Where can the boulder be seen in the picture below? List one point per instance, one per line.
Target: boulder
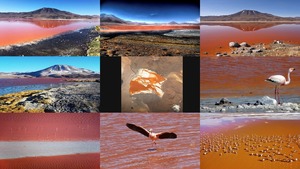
(266, 100)
(244, 44)
(234, 44)
(223, 101)
(256, 50)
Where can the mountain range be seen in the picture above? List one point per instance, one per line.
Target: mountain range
(45, 13)
(248, 15)
(62, 71)
(112, 19)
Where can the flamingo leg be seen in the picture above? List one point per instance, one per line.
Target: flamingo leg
(278, 96)
(276, 93)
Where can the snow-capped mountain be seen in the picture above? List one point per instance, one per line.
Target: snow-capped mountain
(111, 19)
(62, 71)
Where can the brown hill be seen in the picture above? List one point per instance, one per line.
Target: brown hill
(45, 13)
(248, 15)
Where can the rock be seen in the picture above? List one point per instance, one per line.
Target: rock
(244, 44)
(258, 102)
(292, 106)
(219, 55)
(277, 42)
(234, 44)
(110, 52)
(176, 108)
(205, 53)
(267, 100)
(239, 107)
(257, 51)
(223, 101)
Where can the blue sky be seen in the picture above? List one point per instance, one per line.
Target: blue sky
(28, 64)
(84, 7)
(154, 11)
(276, 7)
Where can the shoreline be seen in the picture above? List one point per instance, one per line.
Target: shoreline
(258, 104)
(277, 48)
(23, 149)
(41, 47)
(70, 98)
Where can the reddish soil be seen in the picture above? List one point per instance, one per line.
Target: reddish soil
(33, 30)
(126, 28)
(55, 127)
(77, 161)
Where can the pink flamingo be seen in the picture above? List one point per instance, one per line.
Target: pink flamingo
(279, 80)
(150, 134)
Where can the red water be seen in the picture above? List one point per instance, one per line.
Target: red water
(76, 161)
(245, 76)
(215, 38)
(245, 133)
(14, 32)
(53, 127)
(124, 148)
(29, 81)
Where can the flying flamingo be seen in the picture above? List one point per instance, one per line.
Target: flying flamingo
(150, 134)
(279, 80)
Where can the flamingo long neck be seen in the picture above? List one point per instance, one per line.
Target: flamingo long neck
(288, 80)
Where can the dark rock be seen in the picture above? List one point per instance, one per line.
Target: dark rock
(244, 44)
(257, 51)
(258, 103)
(234, 44)
(223, 101)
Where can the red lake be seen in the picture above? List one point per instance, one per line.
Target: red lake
(215, 37)
(19, 32)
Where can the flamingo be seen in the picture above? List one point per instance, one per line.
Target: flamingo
(279, 80)
(150, 134)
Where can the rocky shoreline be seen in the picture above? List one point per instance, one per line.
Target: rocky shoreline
(261, 105)
(276, 48)
(153, 43)
(74, 43)
(78, 97)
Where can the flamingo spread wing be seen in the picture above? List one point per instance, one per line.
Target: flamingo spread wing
(139, 129)
(167, 135)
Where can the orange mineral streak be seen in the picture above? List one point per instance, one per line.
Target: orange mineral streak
(127, 28)
(146, 83)
(19, 32)
(216, 37)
